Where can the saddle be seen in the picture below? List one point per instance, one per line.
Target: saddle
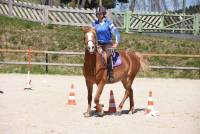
(116, 59)
(113, 61)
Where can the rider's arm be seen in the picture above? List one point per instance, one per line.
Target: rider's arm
(114, 32)
(93, 24)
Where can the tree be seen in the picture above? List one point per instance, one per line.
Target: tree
(164, 5)
(100, 3)
(95, 3)
(158, 5)
(123, 1)
(132, 5)
(72, 4)
(175, 4)
(47, 2)
(143, 2)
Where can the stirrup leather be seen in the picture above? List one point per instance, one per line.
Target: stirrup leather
(110, 71)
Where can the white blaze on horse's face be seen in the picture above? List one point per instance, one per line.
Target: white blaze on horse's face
(90, 43)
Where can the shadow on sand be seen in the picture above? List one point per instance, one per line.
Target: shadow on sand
(107, 113)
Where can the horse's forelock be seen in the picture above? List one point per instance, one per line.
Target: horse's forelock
(89, 29)
(93, 31)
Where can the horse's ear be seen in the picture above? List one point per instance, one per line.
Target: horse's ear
(86, 28)
(92, 28)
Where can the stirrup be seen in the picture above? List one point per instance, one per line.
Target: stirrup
(110, 77)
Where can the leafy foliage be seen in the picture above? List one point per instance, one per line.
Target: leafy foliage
(123, 1)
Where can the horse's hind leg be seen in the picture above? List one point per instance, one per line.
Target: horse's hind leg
(132, 109)
(127, 85)
(119, 109)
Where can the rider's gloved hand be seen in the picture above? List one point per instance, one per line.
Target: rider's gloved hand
(115, 45)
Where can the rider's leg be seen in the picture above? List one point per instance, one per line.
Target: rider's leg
(109, 63)
(101, 50)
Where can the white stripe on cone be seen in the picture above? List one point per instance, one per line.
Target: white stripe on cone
(112, 105)
(153, 113)
(150, 111)
(72, 97)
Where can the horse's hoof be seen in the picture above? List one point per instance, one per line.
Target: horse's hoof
(100, 114)
(132, 111)
(101, 105)
(87, 114)
(119, 112)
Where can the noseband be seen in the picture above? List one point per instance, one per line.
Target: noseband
(94, 42)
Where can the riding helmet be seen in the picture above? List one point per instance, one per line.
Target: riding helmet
(101, 9)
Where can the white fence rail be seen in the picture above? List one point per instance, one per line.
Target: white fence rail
(46, 14)
(81, 65)
(47, 53)
(148, 22)
(22, 10)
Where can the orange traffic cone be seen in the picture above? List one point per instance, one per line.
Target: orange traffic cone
(150, 106)
(71, 100)
(112, 106)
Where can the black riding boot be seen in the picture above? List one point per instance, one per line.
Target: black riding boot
(110, 71)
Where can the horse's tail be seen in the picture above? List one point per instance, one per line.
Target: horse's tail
(143, 62)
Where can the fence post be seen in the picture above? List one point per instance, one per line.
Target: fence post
(162, 22)
(196, 25)
(47, 60)
(127, 20)
(10, 5)
(45, 15)
(140, 24)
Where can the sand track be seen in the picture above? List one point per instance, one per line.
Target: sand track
(43, 110)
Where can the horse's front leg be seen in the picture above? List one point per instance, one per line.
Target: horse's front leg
(89, 85)
(99, 108)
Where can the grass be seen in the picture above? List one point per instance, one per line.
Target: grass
(20, 34)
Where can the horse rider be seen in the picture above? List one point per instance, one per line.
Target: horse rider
(105, 30)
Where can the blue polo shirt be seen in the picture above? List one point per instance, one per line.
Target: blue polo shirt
(104, 31)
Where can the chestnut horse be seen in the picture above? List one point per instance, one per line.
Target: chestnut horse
(95, 72)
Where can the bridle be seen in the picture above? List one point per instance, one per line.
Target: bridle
(94, 42)
(91, 44)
